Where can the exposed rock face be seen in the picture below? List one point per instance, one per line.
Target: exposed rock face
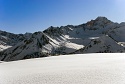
(96, 36)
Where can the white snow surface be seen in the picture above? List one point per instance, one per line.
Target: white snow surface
(68, 69)
(2, 47)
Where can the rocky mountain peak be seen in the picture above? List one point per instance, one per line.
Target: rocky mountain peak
(99, 35)
(99, 22)
(101, 18)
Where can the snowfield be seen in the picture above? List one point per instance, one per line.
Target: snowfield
(68, 69)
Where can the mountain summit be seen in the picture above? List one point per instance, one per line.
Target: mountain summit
(96, 36)
(100, 18)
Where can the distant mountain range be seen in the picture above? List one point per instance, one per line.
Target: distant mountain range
(96, 36)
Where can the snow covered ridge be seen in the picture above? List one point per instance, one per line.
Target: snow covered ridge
(102, 68)
(96, 36)
(9, 39)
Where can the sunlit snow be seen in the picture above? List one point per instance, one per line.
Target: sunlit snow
(68, 69)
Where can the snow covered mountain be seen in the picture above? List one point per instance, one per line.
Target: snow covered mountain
(9, 39)
(99, 35)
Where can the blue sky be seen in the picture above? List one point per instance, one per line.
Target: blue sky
(20, 16)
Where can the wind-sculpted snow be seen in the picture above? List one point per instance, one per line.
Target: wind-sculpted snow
(68, 69)
(96, 36)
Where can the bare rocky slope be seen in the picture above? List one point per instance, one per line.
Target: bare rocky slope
(96, 36)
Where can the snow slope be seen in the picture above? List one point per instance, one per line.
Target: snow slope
(103, 44)
(68, 69)
(3, 47)
(8, 40)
